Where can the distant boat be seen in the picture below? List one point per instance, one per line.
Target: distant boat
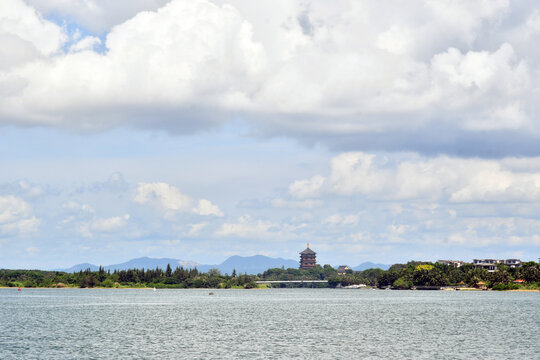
(154, 289)
(359, 286)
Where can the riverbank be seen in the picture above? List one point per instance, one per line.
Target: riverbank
(260, 287)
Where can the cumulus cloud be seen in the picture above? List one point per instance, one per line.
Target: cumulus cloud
(195, 229)
(306, 188)
(73, 206)
(26, 27)
(96, 15)
(16, 216)
(433, 179)
(247, 227)
(94, 226)
(171, 201)
(85, 221)
(163, 195)
(448, 76)
(114, 183)
(338, 219)
(205, 207)
(86, 43)
(24, 189)
(109, 224)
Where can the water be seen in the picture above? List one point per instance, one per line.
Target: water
(267, 324)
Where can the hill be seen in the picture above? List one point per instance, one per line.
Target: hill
(249, 264)
(369, 265)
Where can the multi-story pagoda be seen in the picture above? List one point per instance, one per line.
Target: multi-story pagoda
(308, 259)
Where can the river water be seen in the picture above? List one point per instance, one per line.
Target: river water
(268, 324)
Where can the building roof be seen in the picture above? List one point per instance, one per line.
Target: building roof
(308, 251)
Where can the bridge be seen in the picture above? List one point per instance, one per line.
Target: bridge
(290, 281)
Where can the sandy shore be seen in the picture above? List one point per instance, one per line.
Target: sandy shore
(527, 290)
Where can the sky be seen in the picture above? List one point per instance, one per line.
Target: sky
(381, 131)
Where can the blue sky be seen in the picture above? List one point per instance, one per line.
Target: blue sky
(204, 129)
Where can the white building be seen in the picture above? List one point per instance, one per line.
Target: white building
(491, 264)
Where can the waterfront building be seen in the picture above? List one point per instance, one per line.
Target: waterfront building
(308, 259)
(342, 269)
(488, 264)
(454, 263)
(513, 263)
(491, 264)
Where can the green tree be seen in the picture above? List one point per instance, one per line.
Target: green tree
(214, 272)
(402, 284)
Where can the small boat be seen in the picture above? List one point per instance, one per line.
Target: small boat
(154, 289)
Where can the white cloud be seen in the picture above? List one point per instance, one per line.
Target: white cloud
(24, 189)
(89, 228)
(97, 15)
(115, 183)
(205, 207)
(88, 43)
(441, 178)
(295, 69)
(246, 227)
(165, 196)
(74, 206)
(338, 219)
(195, 229)
(24, 24)
(16, 216)
(307, 188)
(31, 190)
(171, 201)
(109, 224)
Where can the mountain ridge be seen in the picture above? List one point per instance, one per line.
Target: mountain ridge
(369, 265)
(242, 264)
(254, 264)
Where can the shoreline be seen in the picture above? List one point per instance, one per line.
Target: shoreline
(261, 288)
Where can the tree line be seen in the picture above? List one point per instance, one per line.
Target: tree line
(140, 278)
(398, 276)
(414, 273)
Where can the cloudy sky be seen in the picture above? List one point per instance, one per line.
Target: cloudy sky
(197, 129)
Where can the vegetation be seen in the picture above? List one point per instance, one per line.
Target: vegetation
(139, 278)
(407, 276)
(399, 276)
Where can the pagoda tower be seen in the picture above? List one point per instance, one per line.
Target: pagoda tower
(308, 259)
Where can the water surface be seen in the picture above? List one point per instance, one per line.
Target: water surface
(267, 324)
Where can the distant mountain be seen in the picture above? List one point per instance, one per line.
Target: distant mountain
(150, 263)
(369, 265)
(139, 263)
(250, 264)
(79, 267)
